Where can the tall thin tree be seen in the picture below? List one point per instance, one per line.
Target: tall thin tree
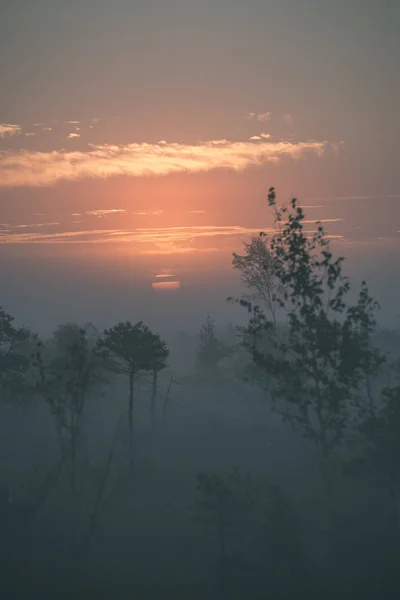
(133, 351)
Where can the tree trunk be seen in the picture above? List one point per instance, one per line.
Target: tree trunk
(130, 417)
(153, 413)
(73, 468)
(73, 453)
(165, 404)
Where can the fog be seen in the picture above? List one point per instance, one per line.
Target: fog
(169, 445)
(44, 290)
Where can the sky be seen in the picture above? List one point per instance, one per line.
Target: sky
(138, 140)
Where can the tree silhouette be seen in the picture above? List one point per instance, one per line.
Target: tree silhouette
(136, 350)
(66, 380)
(158, 353)
(379, 425)
(14, 361)
(210, 350)
(318, 362)
(223, 503)
(257, 273)
(167, 400)
(66, 336)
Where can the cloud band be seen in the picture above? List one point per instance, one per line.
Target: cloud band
(34, 168)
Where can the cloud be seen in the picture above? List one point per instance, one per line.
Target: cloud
(90, 236)
(33, 225)
(150, 241)
(325, 220)
(349, 198)
(262, 136)
(102, 212)
(73, 122)
(289, 118)
(259, 117)
(9, 129)
(174, 251)
(30, 134)
(149, 212)
(311, 206)
(264, 116)
(73, 135)
(34, 168)
(163, 238)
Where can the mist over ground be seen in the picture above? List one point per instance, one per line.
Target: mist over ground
(164, 442)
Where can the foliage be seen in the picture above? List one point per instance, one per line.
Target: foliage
(167, 399)
(134, 349)
(14, 357)
(159, 355)
(319, 360)
(257, 272)
(210, 350)
(225, 503)
(66, 381)
(379, 426)
(158, 352)
(132, 346)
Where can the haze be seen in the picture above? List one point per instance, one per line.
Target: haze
(138, 141)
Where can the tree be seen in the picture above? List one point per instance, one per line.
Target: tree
(379, 426)
(158, 353)
(224, 503)
(318, 362)
(257, 273)
(65, 337)
(136, 350)
(167, 399)
(68, 335)
(210, 350)
(66, 380)
(14, 361)
(16, 519)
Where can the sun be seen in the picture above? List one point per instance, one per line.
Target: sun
(166, 287)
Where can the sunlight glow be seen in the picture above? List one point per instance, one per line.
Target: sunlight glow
(166, 286)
